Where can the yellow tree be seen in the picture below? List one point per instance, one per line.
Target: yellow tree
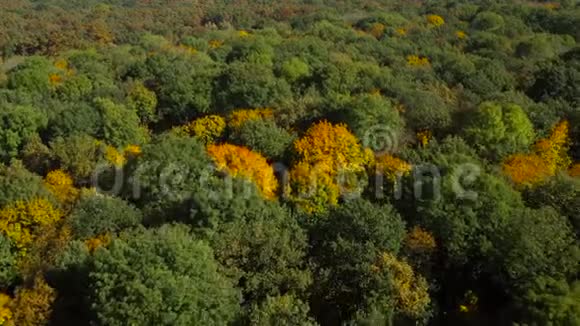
(207, 129)
(21, 221)
(391, 167)
(60, 184)
(32, 304)
(330, 159)
(411, 290)
(239, 161)
(435, 20)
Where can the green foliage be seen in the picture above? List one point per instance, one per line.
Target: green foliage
(263, 136)
(550, 301)
(283, 310)
(497, 130)
(18, 124)
(163, 277)
(144, 102)
(121, 126)
(537, 243)
(17, 183)
(294, 69)
(32, 75)
(488, 21)
(96, 214)
(183, 85)
(259, 243)
(77, 154)
(250, 85)
(345, 244)
(163, 178)
(8, 267)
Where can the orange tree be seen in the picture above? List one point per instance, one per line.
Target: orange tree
(327, 157)
(239, 161)
(550, 155)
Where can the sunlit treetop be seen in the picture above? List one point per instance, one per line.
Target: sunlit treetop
(239, 161)
(332, 144)
(435, 20)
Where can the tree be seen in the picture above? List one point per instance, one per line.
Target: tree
(121, 126)
(264, 137)
(144, 102)
(536, 243)
(257, 241)
(60, 184)
(562, 193)
(8, 267)
(374, 120)
(497, 130)
(168, 172)
(33, 303)
(162, 276)
(21, 221)
(250, 85)
(184, 85)
(325, 153)
(239, 161)
(17, 125)
(96, 214)
(550, 301)
(77, 154)
(17, 183)
(207, 129)
(345, 245)
(282, 310)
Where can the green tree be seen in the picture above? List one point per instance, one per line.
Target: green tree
(372, 117)
(8, 267)
(497, 130)
(562, 193)
(121, 126)
(550, 301)
(184, 86)
(536, 243)
(162, 276)
(263, 136)
(144, 102)
(77, 154)
(17, 183)
(250, 85)
(282, 310)
(17, 125)
(256, 240)
(345, 245)
(164, 177)
(96, 214)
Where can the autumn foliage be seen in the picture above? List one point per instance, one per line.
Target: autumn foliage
(207, 129)
(21, 220)
(391, 167)
(411, 290)
(238, 117)
(60, 184)
(329, 158)
(33, 305)
(239, 161)
(550, 155)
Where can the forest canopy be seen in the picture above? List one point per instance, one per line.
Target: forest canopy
(189, 162)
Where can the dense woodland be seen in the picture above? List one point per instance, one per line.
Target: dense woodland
(236, 162)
